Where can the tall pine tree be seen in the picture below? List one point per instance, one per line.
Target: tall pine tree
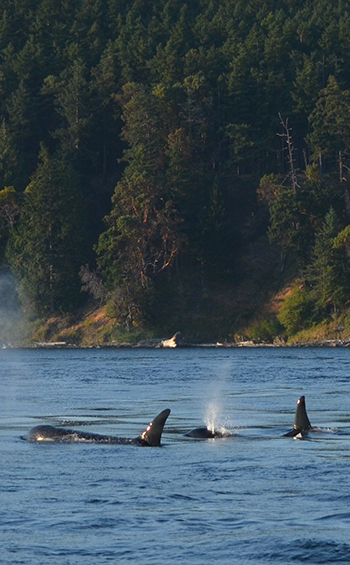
(45, 249)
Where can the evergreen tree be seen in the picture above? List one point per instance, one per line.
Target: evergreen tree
(328, 274)
(288, 226)
(19, 133)
(330, 124)
(9, 213)
(201, 122)
(45, 249)
(143, 236)
(71, 101)
(106, 115)
(11, 162)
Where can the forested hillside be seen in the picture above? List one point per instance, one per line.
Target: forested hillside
(147, 148)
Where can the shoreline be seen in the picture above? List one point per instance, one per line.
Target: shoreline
(157, 344)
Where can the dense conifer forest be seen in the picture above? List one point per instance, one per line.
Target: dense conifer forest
(146, 146)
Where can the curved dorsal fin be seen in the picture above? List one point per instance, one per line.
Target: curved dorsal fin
(301, 421)
(153, 433)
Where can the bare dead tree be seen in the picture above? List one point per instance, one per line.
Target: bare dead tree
(290, 152)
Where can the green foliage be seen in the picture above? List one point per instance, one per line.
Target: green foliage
(265, 331)
(9, 208)
(297, 311)
(142, 236)
(329, 120)
(325, 285)
(287, 223)
(11, 163)
(169, 110)
(342, 239)
(328, 273)
(45, 248)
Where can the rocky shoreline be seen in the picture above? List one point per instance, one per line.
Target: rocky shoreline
(172, 344)
(178, 341)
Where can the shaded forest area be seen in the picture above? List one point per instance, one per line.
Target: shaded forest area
(147, 149)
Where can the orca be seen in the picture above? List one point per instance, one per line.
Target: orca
(206, 433)
(301, 421)
(150, 437)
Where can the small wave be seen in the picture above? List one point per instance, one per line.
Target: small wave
(97, 501)
(340, 516)
(177, 496)
(310, 551)
(325, 430)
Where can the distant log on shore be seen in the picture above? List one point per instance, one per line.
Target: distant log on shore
(175, 341)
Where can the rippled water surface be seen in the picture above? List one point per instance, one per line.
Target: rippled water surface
(254, 497)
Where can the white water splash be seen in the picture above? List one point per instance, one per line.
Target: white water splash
(212, 419)
(211, 416)
(214, 412)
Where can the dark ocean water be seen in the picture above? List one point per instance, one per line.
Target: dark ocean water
(255, 497)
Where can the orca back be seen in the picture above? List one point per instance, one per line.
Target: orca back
(206, 433)
(201, 433)
(151, 436)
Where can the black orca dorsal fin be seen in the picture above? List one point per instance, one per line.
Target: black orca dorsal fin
(301, 421)
(153, 433)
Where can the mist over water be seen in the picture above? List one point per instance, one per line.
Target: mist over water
(12, 328)
(215, 417)
(254, 497)
(212, 414)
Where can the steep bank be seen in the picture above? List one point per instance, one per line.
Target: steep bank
(98, 330)
(242, 310)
